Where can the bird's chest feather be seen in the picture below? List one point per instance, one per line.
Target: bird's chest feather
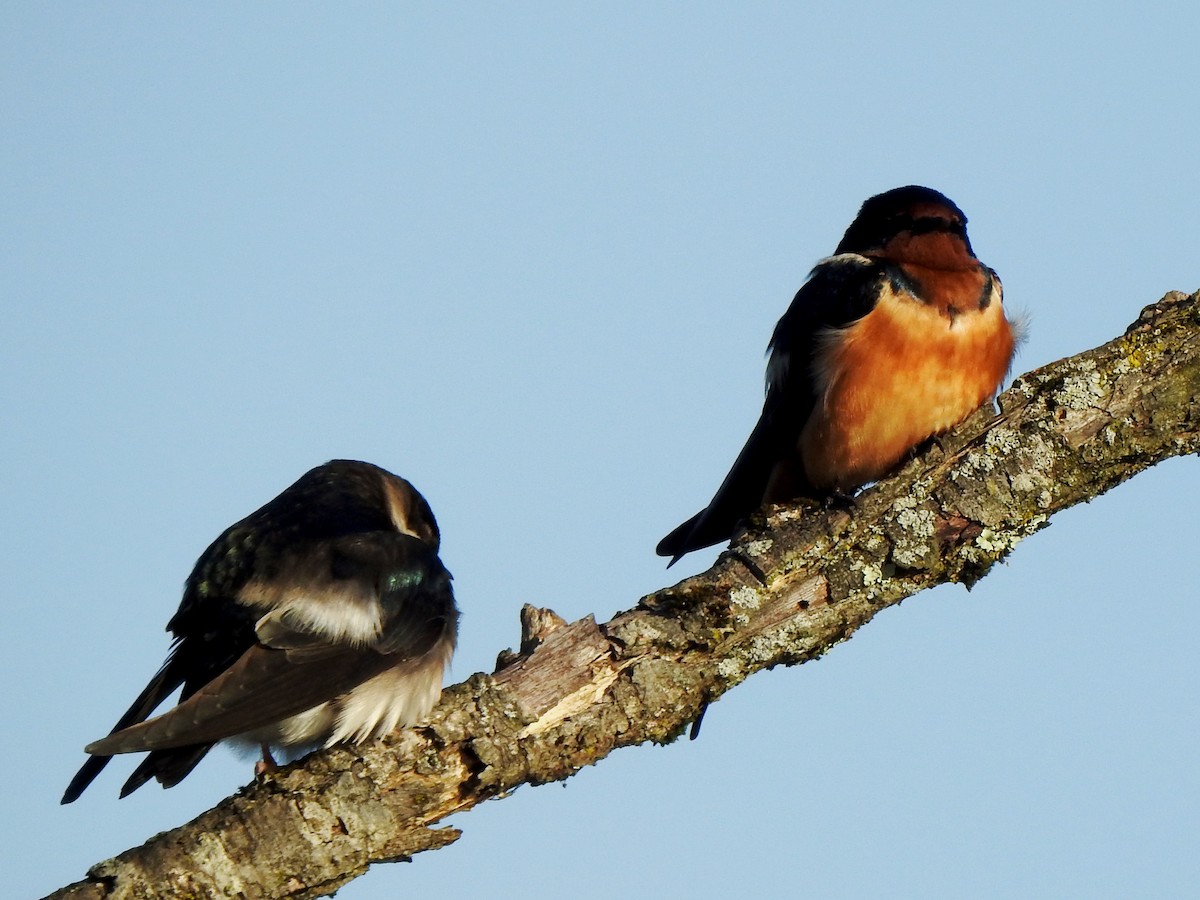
(904, 372)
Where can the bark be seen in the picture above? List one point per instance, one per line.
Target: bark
(798, 581)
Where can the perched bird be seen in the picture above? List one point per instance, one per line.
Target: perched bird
(898, 336)
(325, 616)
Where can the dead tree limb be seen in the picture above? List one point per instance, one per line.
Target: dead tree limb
(797, 582)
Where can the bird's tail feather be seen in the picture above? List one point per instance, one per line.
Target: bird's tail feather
(161, 686)
(739, 495)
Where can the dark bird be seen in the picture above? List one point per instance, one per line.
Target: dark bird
(900, 335)
(325, 616)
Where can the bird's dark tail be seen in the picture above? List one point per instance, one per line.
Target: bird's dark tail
(739, 495)
(160, 687)
(169, 766)
(85, 776)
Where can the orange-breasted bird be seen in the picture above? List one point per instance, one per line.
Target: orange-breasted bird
(324, 616)
(900, 335)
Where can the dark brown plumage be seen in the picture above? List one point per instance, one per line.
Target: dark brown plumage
(324, 616)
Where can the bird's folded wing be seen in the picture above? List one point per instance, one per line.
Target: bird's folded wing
(264, 686)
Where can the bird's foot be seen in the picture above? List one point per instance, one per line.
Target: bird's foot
(839, 500)
(266, 765)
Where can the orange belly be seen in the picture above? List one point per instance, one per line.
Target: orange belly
(899, 375)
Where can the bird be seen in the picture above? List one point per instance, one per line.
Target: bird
(324, 616)
(898, 336)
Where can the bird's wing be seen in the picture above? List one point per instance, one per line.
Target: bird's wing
(840, 290)
(263, 686)
(307, 654)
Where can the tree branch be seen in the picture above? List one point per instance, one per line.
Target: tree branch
(797, 582)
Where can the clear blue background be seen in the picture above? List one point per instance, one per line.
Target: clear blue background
(529, 256)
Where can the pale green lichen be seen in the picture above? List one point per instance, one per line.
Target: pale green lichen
(1001, 542)
(976, 462)
(745, 597)
(872, 574)
(762, 648)
(919, 492)
(1023, 386)
(998, 442)
(729, 669)
(875, 544)
(974, 556)
(917, 526)
(1082, 389)
(758, 548)
(1001, 441)
(767, 648)
(993, 541)
(917, 522)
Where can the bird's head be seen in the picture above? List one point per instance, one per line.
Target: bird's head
(911, 224)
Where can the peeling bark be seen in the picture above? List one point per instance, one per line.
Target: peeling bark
(797, 582)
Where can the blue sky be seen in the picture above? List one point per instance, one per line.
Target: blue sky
(529, 257)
